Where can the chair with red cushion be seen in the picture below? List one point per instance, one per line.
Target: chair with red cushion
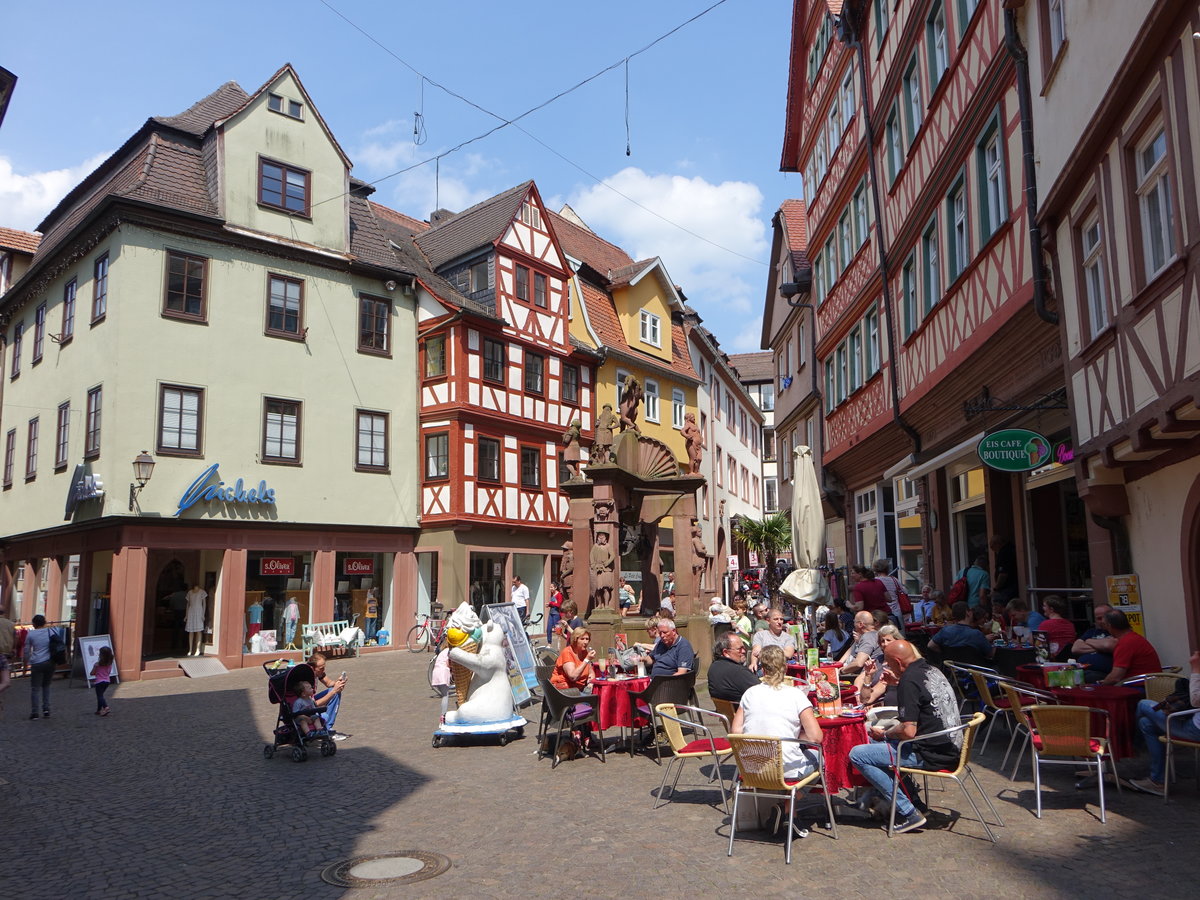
(699, 743)
(1064, 733)
(759, 760)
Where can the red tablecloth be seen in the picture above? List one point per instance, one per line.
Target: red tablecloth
(1119, 702)
(1034, 674)
(842, 733)
(614, 700)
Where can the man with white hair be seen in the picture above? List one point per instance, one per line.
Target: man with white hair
(671, 653)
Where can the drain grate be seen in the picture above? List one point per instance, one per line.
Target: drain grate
(401, 867)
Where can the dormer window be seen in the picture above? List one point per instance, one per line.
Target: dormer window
(531, 215)
(283, 187)
(650, 328)
(284, 106)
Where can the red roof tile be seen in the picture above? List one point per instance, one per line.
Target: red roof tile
(398, 218)
(587, 246)
(21, 241)
(603, 317)
(796, 219)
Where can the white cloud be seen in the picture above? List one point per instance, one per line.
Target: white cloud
(747, 340)
(26, 198)
(722, 286)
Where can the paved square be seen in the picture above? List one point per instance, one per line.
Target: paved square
(171, 797)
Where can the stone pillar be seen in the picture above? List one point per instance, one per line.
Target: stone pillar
(581, 545)
(29, 591)
(324, 575)
(83, 596)
(232, 599)
(54, 588)
(403, 601)
(7, 586)
(687, 585)
(127, 610)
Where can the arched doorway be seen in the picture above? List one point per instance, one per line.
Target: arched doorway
(168, 603)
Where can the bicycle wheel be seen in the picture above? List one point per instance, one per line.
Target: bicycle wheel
(429, 673)
(418, 639)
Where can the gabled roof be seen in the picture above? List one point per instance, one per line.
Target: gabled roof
(199, 117)
(789, 240)
(20, 241)
(756, 366)
(588, 247)
(473, 228)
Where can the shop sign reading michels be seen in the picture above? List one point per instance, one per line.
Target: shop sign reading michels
(1014, 450)
(200, 489)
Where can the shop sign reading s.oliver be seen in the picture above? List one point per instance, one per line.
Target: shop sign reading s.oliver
(200, 489)
(277, 565)
(358, 565)
(1014, 450)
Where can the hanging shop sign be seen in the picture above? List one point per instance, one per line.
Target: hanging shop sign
(1014, 450)
(84, 486)
(277, 565)
(733, 563)
(202, 489)
(358, 565)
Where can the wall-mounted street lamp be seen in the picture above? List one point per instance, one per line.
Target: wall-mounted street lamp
(143, 468)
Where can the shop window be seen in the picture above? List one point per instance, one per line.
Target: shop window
(184, 297)
(437, 456)
(62, 435)
(910, 550)
(91, 441)
(489, 459)
(531, 468)
(278, 587)
(68, 319)
(31, 449)
(285, 306)
(100, 288)
(180, 420)
(281, 431)
(371, 441)
(283, 187)
(494, 360)
(570, 384)
(374, 320)
(535, 367)
(866, 525)
(435, 356)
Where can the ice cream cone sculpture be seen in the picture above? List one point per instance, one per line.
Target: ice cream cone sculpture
(461, 632)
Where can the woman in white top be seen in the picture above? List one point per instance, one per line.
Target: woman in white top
(779, 709)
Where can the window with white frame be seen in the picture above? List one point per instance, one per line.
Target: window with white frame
(818, 274)
(871, 351)
(846, 238)
(855, 343)
(914, 104)
(180, 416)
(831, 262)
(371, 441)
(621, 378)
(531, 215)
(883, 18)
(931, 274)
(822, 158)
(766, 396)
(834, 121)
(908, 296)
(993, 201)
(935, 41)
(678, 408)
(650, 328)
(894, 143)
(650, 398)
(717, 467)
(1058, 26)
(847, 96)
(768, 445)
(966, 11)
(861, 217)
(842, 373)
(866, 525)
(1092, 247)
(830, 396)
(956, 222)
(1154, 201)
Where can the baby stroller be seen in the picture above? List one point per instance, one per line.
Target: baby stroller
(283, 680)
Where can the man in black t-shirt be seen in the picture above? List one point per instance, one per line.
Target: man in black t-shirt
(927, 704)
(728, 677)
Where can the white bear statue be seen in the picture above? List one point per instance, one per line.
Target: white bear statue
(489, 699)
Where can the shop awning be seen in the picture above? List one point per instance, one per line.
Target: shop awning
(942, 458)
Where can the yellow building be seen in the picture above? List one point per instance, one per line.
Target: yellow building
(632, 313)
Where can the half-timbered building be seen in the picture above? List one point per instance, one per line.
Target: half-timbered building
(500, 384)
(932, 328)
(1117, 120)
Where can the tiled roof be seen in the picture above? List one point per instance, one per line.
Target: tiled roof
(472, 228)
(399, 218)
(757, 366)
(21, 241)
(199, 117)
(835, 7)
(587, 246)
(626, 274)
(796, 219)
(603, 317)
(681, 359)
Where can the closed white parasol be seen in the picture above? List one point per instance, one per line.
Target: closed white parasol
(806, 584)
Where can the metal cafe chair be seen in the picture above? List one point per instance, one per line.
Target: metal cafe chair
(1020, 696)
(1062, 736)
(566, 713)
(703, 745)
(759, 761)
(1172, 743)
(961, 774)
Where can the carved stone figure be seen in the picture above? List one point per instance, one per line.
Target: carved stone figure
(631, 397)
(603, 564)
(603, 510)
(605, 423)
(700, 554)
(572, 455)
(566, 569)
(695, 443)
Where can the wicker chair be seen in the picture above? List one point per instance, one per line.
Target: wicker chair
(1021, 696)
(1172, 743)
(997, 707)
(1064, 733)
(1156, 684)
(961, 774)
(727, 709)
(701, 747)
(759, 760)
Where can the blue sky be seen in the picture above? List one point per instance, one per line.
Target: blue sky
(706, 110)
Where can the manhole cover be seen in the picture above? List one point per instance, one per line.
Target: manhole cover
(401, 867)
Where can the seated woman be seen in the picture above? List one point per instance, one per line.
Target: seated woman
(941, 613)
(834, 639)
(573, 668)
(779, 709)
(876, 685)
(570, 619)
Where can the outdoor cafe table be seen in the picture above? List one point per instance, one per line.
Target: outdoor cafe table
(614, 700)
(842, 734)
(1008, 659)
(1118, 702)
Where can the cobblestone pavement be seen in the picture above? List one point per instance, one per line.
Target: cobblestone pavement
(171, 797)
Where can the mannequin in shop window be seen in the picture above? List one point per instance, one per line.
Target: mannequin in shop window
(291, 615)
(371, 615)
(254, 613)
(194, 620)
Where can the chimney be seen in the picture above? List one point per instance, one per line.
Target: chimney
(438, 216)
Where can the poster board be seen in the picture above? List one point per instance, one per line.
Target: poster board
(522, 667)
(1125, 594)
(89, 652)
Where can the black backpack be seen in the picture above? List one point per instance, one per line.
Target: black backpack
(58, 648)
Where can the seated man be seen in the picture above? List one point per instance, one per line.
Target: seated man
(1094, 648)
(927, 704)
(1152, 723)
(864, 646)
(671, 654)
(328, 701)
(728, 677)
(760, 611)
(772, 636)
(1133, 655)
(961, 634)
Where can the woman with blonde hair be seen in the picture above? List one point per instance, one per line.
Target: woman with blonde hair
(573, 668)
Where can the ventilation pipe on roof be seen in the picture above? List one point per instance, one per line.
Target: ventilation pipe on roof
(1012, 41)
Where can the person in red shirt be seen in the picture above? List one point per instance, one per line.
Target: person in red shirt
(1133, 655)
(1058, 629)
(866, 591)
(573, 668)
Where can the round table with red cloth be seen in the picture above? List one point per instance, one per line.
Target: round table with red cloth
(1119, 702)
(842, 733)
(614, 700)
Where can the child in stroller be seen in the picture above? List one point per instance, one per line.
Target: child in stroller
(290, 687)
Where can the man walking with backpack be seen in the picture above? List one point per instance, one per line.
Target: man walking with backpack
(971, 583)
(39, 658)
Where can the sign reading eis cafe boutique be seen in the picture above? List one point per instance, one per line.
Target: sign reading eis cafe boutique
(1014, 450)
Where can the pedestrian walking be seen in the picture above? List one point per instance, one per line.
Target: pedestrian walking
(101, 677)
(40, 663)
